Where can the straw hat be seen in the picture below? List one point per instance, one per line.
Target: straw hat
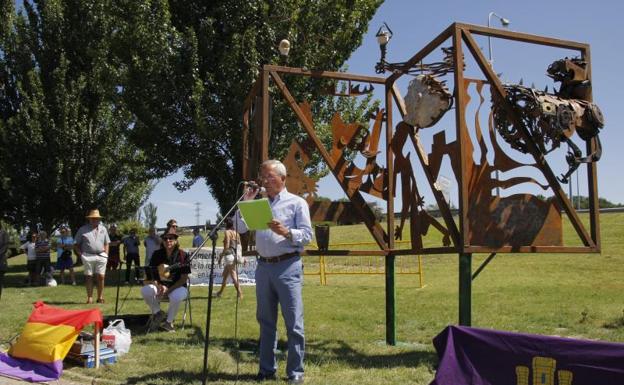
(94, 214)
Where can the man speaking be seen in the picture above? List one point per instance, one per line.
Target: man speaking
(279, 275)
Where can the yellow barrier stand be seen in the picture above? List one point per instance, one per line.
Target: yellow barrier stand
(364, 265)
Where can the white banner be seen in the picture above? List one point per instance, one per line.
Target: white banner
(200, 268)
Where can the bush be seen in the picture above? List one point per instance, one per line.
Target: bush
(14, 239)
(123, 228)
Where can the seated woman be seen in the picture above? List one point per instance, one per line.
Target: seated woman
(169, 272)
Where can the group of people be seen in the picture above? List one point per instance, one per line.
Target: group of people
(38, 249)
(279, 273)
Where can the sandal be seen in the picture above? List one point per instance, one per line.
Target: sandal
(89, 300)
(100, 300)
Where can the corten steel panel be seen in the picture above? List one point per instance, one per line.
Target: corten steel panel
(517, 220)
(462, 137)
(360, 205)
(339, 212)
(486, 223)
(592, 176)
(500, 94)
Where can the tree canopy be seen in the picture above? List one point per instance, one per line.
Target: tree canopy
(61, 132)
(189, 111)
(98, 97)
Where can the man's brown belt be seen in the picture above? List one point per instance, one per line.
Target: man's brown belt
(279, 258)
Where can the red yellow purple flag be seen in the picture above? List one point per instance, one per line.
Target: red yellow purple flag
(45, 341)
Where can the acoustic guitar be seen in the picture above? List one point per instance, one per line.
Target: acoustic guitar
(164, 272)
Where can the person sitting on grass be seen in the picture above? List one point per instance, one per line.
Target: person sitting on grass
(166, 282)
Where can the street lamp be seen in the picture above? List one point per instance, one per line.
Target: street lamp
(505, 23)
(284, 47)
(383, 37)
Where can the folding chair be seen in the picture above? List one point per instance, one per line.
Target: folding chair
(187, 307)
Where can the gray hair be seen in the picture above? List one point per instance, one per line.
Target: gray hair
(276, 165)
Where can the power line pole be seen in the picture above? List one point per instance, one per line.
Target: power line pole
(197, 211)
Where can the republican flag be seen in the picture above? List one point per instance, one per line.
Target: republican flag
(48, 335)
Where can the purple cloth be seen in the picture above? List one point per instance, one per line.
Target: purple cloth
(489, 357)
(29, 370)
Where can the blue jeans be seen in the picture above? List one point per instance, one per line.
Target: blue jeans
(280, 283)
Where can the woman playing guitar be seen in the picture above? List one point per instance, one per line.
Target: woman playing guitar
(169, 269)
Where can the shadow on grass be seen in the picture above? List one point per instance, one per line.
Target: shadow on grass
(13, 268)
(335, 351)
(615, 324)
(339, 352)
(192, 334)
(186, 377)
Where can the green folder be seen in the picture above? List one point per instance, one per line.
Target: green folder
(256, 213)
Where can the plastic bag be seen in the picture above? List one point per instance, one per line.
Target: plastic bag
(117, 337)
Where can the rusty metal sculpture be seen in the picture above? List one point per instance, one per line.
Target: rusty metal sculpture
(530, 121)
(553, 118)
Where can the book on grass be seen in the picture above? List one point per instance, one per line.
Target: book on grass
(256, 213)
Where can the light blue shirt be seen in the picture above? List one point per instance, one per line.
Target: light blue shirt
(92, 241)
(293, 212)
(62, 241)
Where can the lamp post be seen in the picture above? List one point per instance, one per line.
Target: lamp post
(284, 47)
(384, 34)
(504, 22)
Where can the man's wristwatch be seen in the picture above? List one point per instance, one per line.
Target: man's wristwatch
(289, 236)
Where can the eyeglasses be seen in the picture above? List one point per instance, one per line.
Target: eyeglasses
(170, 239)
(174, 225)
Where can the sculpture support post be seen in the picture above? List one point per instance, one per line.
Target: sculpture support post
(390, 302)
(465, 288)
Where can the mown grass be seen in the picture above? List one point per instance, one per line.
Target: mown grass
(573, 295)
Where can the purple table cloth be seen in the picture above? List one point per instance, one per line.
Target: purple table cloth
(490, 357)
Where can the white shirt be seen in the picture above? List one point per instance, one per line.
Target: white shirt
(293, 212)
(31, 254)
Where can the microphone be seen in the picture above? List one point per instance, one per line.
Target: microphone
(251, 184)
(254, 186)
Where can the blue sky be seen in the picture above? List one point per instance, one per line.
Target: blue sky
(415, 23)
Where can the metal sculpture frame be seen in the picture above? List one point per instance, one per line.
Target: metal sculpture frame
(458, 237)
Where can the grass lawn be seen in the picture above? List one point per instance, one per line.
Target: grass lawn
(573, 295)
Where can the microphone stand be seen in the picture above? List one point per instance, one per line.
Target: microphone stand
(212, 236)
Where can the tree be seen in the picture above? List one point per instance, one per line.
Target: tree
(149, 212)
(62, 119)
(188, 111)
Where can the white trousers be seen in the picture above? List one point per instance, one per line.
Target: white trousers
(176, 297)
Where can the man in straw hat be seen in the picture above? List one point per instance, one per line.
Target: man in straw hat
(91, 245)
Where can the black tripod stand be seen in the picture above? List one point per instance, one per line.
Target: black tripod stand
(213, 237)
